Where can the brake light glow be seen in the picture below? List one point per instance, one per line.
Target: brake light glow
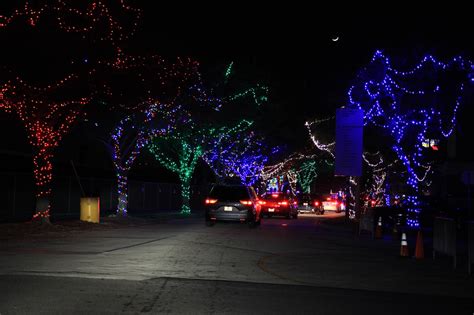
(316, 203)
(275, 195)
(210, 201)
(261, 202)
(283, 203)
(246, 202)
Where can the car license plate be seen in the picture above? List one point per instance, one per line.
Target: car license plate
(305, 203)
(271, 210)
(227, 208)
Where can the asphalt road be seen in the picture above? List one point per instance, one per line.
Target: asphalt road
(183, 267)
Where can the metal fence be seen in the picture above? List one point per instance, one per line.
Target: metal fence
(367, 222)
(470, 244)
(17, 195)
(444, 237)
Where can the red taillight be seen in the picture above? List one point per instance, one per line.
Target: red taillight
(261, 202)
(210, 201)
(283, 203)
(275, 195)
(246, 202)
(316, 203)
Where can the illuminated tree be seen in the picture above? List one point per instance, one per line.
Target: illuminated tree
(46, 123)
(180, 151)
(129, 137)
(376, 168)
(143, 90)
(286, 169)
(242, 154)
(307, 173)
(411, 106)
(49, 112)
(196, 132)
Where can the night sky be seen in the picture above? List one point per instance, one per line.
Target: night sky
(290, 49)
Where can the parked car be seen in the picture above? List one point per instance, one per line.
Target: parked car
(310, 203)
(233, 203)
(279, 204)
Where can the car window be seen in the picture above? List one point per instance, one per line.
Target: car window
(229, 193)
(276, 197)
(304, 198)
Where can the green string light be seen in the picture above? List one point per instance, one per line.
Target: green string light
(307, 174)
(228, 72)
(180, 152)
(259, 94)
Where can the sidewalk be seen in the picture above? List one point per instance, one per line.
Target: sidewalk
(63, 228)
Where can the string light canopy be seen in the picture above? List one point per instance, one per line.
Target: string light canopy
(376, 170)
(88, 16)
(50, 111)
(180, 151)
(410, 105)
(241, 155)
(195, 137)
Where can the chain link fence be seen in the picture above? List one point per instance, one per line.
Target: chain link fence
(17, 195)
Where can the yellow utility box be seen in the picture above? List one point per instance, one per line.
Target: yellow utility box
(90, 209)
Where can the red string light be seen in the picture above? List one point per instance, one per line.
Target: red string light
(45, 118)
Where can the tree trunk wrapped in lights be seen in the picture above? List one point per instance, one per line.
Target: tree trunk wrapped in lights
(130, 136)
(49, 113)
(46, 123)
(180, 151)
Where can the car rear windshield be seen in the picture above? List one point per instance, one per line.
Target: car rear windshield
(275, 197)
(305, 198)
(229, 193)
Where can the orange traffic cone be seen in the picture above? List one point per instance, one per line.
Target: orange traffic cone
(404, 246)
(419, 252)
(378, 229)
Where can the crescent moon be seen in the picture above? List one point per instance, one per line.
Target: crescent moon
(335, 39)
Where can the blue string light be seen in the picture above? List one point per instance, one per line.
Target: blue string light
(384, 94)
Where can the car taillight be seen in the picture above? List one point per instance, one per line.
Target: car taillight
(246, 202)
(261, 202)
(210, 201)
(316, 203)
(283, 203)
